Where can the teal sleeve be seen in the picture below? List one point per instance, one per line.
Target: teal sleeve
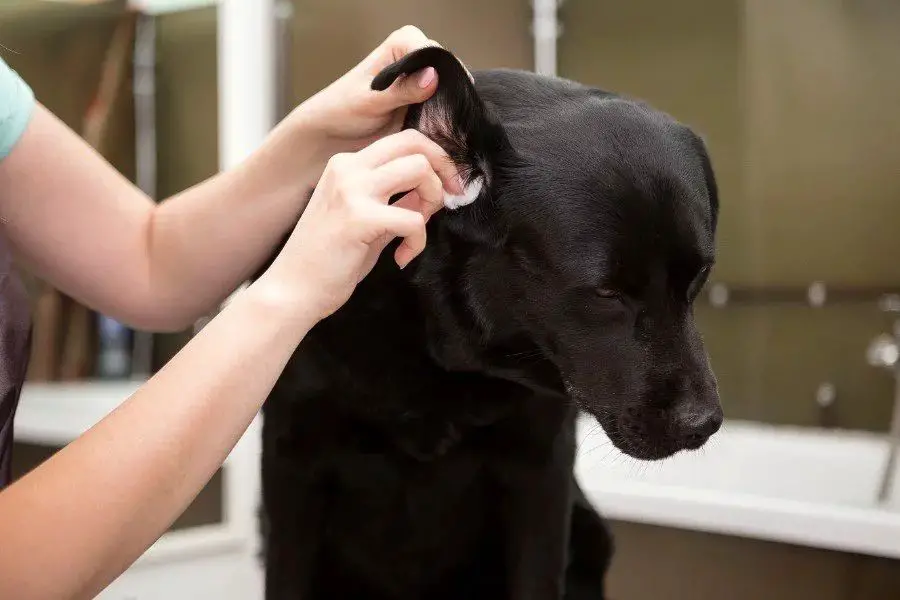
(16, 106)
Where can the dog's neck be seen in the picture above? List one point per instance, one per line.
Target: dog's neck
(405, 354)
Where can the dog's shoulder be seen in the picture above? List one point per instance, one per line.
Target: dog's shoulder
(367, 371)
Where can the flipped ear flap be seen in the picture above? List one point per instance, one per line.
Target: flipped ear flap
(454, 117)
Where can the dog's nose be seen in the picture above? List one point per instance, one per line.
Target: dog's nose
(694, 425)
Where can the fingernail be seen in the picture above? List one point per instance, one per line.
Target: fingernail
(400, 258)
(426, 77)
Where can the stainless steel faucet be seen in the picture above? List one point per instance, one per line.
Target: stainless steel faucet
(884, 351)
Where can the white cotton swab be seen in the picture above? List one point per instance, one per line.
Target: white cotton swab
(469, 195)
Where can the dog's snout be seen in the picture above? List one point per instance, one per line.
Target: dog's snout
(695, 425)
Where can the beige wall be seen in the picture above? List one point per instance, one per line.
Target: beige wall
(330, 37)
(657, 563)
(58, 49)
(822, 120)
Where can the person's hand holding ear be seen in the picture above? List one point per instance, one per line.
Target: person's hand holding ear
(349, 110)
(345, 142)
(348, 115)
(348, 221)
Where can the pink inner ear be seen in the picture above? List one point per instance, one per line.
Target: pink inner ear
(436, 123)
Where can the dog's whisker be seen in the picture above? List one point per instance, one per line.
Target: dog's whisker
(606, 445)
(611, 450)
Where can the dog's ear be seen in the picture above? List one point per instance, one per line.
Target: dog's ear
(711, 185)
(455, 118)
(712, 188)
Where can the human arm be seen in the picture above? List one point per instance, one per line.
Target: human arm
(80, 225)
(76, 522)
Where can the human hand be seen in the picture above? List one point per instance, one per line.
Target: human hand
(349, 115)
(349, 222)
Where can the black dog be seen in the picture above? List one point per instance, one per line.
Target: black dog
(420, 444)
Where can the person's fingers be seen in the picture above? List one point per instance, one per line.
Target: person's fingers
(406, 174)
(410, 142)
(397, 45)
(461, 63)
(394, 222)
(404, 40)
(410, 89)
(413, 201)
(405, 252)
(414, 88)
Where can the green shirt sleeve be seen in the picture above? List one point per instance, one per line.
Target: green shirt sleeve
(16, 106)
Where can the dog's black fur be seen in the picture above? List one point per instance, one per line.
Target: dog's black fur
(420, 444)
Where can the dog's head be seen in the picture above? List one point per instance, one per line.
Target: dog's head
(574, 264)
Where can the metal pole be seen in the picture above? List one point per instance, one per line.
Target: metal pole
(246, 70)
(247, 99)
(545, 30)
(890, 468)
(145, 152)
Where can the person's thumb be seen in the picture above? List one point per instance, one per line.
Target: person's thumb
(412, 89)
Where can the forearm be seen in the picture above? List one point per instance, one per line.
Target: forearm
(76, 522)
(80, 225)
(208, 239)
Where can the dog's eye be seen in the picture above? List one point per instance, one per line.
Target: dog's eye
(698, 283)
(608, 294)
(614, 296)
